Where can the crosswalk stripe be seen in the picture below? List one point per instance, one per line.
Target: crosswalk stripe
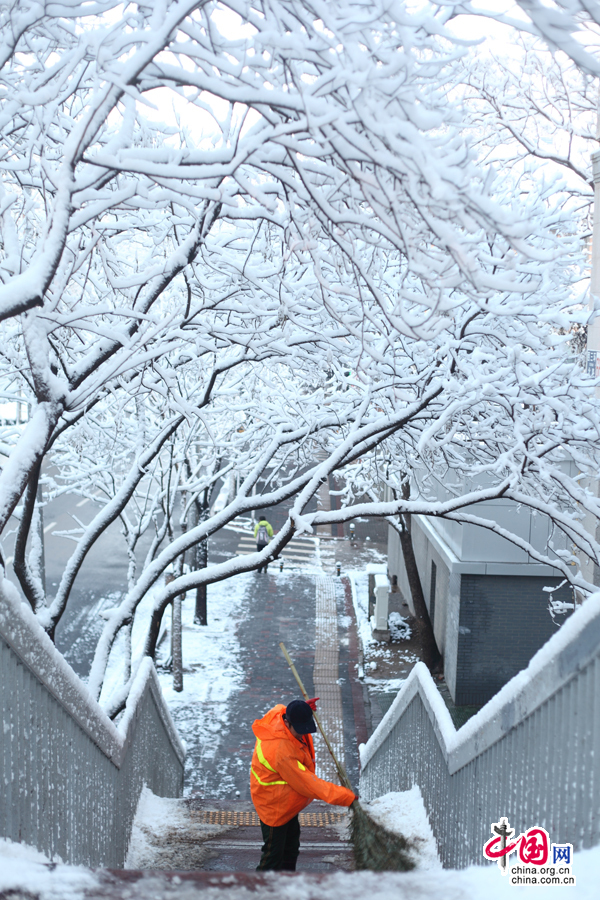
(251, 540)
(301, 550)
(282, 556)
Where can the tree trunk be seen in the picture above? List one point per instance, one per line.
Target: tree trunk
(154, 629)
(201, 562)
(431, 655)
(30, 584)
(176, 648)
(201, 610)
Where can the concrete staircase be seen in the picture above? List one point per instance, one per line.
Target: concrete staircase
(183, 847)
(152, 885)
(324, 846)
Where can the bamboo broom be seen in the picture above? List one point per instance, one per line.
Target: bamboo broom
(375, 847)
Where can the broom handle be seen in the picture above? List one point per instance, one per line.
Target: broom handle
(345, 781)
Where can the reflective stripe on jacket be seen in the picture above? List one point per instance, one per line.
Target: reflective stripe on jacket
(282, 775)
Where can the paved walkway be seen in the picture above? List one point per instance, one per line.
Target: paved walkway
(309, 613)
(326, 677)
(313, 615)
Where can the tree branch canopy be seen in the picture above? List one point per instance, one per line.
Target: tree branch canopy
(249, 245)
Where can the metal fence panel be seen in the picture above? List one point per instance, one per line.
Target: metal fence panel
(531, 754)
(70, 779)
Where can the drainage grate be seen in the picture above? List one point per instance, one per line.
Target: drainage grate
(241, 817)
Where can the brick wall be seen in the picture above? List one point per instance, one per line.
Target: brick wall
(504, 620)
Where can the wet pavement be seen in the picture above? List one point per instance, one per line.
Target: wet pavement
(279, 608)
(271, 608)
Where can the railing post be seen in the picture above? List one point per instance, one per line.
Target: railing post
(379, 620)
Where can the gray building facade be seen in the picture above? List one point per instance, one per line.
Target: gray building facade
(485, 596)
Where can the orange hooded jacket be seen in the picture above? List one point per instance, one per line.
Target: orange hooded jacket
(282, 775)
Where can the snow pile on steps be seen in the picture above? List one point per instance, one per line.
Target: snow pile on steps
(551, 666)
(25, 873)
(165, 836)
(403, 812)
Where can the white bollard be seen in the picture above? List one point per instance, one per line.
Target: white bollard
(379, 620)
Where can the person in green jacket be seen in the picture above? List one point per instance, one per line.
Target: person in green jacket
(263, 532)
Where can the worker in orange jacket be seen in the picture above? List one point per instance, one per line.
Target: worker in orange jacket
(283, 780)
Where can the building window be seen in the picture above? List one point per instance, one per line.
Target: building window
(432, 591)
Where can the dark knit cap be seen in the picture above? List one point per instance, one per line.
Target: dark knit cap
(299, 715)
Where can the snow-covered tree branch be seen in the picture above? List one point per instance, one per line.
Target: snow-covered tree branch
(309, 267)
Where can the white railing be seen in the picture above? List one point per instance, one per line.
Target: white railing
(70, 778)
(532, 753)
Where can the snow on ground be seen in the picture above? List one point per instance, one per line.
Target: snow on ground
(212, 673)
(165, 835)
(383, 685)
(376, 652)
(403, 812)
(399, 627)
(27, 875)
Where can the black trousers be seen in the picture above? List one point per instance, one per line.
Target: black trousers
(260, 547)
(281, 846)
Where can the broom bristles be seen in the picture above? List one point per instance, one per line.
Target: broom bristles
(377, 848)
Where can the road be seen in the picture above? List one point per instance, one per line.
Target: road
(102, 579)
(99, 583)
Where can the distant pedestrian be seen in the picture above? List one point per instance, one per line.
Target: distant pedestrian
(263, 532)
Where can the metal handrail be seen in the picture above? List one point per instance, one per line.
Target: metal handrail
(532, 753)
(71, 778)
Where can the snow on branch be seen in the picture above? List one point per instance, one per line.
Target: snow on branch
(245, 257)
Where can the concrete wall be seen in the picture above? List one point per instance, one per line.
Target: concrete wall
(447, 592)
(475, 544)
(504, 620)
(490, 610)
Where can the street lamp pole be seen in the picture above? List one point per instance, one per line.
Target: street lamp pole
(593, 334)
(590, 571)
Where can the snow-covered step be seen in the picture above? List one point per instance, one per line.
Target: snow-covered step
(23, 875)
(225, 835)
